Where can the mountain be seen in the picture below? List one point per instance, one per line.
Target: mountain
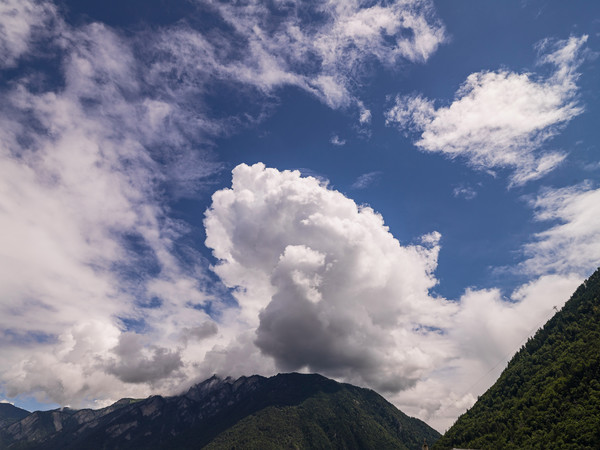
(549, 394)
(284, 411)
(10, 414)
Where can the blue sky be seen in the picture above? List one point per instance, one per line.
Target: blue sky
(394, 194)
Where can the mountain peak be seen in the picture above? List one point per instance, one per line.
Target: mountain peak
(9, 413)
(217, 386)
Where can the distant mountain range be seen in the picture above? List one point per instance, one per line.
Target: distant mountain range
(285, 411)
(549, 395)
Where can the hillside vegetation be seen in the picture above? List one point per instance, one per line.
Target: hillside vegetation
(346, 417)
(549, 394)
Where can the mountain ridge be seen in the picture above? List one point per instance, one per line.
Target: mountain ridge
(209, 412)
(10, 413)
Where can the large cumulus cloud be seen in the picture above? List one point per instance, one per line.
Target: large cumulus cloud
(327, 286)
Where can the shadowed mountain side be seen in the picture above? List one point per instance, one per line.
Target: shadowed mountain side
(549, 394)
(10, 414)
(284, 411)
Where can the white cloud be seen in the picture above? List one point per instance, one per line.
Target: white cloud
(20, 22)
(302, 258)
(336, 140)
(482, 336)
(464, 191)
(411, 112)
(488, 329)
(356, 28)
(86, 237)
(327, 54)
(365, 115)
(572, 243)
(501, 119)
(366, 180)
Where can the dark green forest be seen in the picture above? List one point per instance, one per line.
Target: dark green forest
(349, 418)
(549, 394)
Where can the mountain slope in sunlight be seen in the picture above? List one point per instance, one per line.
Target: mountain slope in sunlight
(549, 394)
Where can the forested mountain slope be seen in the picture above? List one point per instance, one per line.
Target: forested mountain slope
(549, 394)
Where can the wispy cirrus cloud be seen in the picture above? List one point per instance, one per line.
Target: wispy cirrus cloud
(20, 23)
(502, 119)
(464, 191)
(366, 179)
(324, 48)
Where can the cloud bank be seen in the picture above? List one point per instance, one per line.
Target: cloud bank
(488, 328)
(502, 119)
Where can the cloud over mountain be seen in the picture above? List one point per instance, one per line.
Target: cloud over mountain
(303, 258)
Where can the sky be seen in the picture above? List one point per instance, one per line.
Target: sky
(392, 194)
